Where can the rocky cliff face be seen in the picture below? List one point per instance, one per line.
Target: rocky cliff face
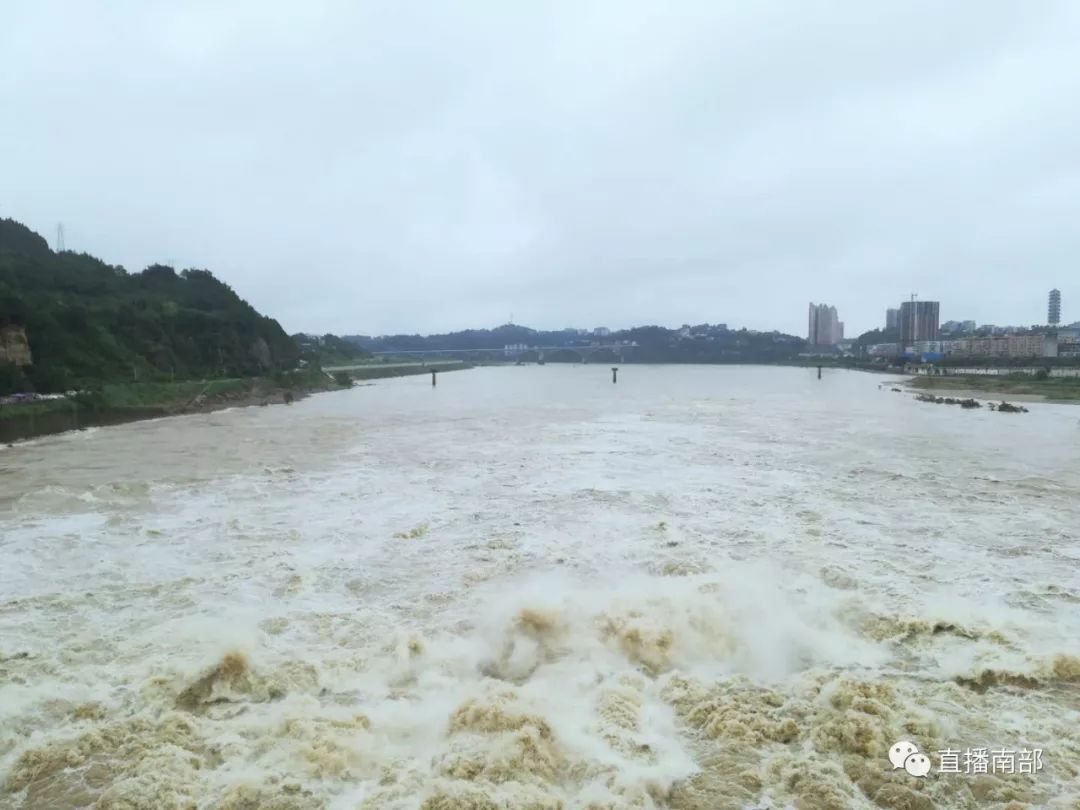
(14, 347)
(260, 350)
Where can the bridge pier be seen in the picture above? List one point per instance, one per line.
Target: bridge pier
(614, 374)
(433, 378)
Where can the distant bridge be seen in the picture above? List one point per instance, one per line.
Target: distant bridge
(619, 351)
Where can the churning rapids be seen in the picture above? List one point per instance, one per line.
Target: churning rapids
(528, 588)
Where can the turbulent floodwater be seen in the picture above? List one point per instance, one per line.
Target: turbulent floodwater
(704, 587)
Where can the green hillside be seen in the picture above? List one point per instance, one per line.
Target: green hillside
(88, 322)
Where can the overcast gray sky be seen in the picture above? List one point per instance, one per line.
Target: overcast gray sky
(396, 166)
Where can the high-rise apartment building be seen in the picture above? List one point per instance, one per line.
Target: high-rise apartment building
(824, 328)
(919, 321)
(892, 319)
(1053, 309)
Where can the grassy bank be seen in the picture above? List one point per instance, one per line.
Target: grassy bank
(115, 403)
(169, 395)
(1059, 389)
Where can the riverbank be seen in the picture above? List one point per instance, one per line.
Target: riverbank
(117, 403)
(1023, 387)
(114, 404)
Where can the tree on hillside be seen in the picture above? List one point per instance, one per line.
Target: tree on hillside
(878, 336)
(328, 350)
(88, 322)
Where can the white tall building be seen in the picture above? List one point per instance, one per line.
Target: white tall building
(824, 328)
(1053, 308)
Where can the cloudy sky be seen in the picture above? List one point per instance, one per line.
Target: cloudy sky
(405, 166)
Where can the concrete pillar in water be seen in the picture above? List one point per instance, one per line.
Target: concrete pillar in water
(614, 374)
(433, 378)
(819, 372)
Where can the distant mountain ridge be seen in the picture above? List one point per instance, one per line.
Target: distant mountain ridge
(704, 343)
(89, 322)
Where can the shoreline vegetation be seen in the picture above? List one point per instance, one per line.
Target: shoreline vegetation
(118, 403)
(1016, 386)
(85, 343)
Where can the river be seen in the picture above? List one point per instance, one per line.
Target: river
(529, 588)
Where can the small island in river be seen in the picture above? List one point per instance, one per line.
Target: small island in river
(1025, 387)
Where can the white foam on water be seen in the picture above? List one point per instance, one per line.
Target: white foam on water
(705, 587)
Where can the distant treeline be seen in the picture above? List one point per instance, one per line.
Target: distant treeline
(328, 350)
(703, 343)
(88, 322)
